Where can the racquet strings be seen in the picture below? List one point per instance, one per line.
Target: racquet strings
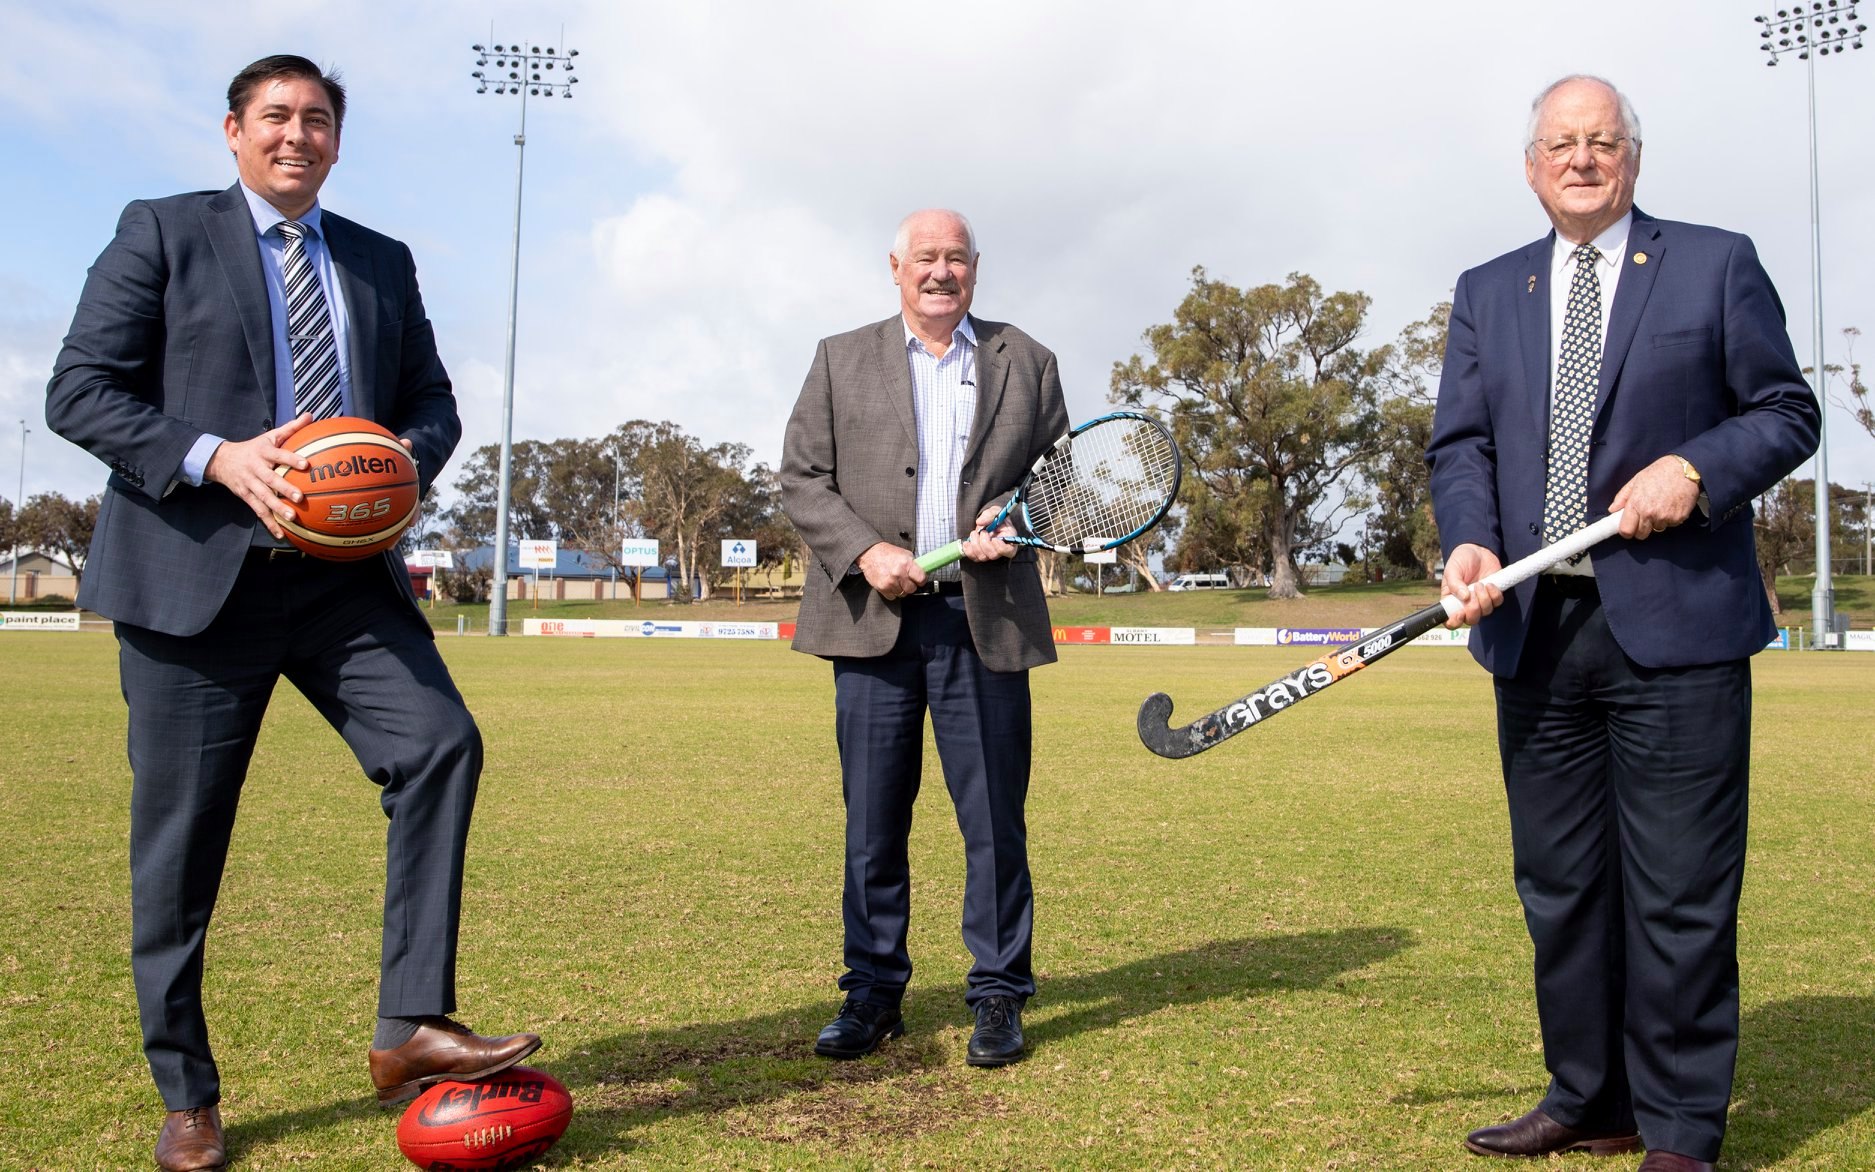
(1103, 486)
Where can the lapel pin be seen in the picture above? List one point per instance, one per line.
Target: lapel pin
(1531, 287)
(1640, 258)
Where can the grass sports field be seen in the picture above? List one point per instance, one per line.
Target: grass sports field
(1301, 950)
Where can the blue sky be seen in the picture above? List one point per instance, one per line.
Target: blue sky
(723, 190)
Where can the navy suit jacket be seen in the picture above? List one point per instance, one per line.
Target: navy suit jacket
(173, 338)
(1696, 364)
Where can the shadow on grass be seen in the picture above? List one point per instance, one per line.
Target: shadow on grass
(760, 1076)
(1805, 1066)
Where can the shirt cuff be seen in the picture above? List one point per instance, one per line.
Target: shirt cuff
(195, 464)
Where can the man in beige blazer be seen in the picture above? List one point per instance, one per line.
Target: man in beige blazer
(910, 433)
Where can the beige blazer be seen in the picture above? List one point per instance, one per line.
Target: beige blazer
(849, 479)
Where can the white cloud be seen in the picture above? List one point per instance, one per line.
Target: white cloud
(722, 192)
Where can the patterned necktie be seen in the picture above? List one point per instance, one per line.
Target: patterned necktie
(1566, 500)
(309, 330)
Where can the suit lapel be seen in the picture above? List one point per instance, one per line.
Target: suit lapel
(1631, 291)
(229, 226)
(992, 375)
(353, 266)
(1533, 324)
(895, 374)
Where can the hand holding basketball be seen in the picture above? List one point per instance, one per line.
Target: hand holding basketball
(355, 493)
(246, 469)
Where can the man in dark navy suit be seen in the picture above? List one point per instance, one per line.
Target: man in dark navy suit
(1622, 362)
(213, 327)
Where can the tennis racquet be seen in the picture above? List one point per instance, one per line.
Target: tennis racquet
(1101, 485)
(1155, 714)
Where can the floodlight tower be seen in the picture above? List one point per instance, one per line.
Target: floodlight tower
(618, 529)
(19, 505)
(522, 70)
(1813, 30)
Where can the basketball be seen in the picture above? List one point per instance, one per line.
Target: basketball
(506, 1121)
(360, 489)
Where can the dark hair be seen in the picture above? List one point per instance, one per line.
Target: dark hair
(241, 89)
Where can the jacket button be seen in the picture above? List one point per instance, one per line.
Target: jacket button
(911, 472)
(904, 536)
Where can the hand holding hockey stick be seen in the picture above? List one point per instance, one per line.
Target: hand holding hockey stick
(1155, 714)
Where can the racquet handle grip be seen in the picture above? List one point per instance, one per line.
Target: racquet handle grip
(942, 556)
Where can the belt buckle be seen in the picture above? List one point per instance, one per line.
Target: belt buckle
(275, 552)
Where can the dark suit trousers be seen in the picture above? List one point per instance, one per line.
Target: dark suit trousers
(1627, 790)
(364, 658)
(980, 720)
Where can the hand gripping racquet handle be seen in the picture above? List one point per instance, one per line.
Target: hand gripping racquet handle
(942, 556)
(1155, 715)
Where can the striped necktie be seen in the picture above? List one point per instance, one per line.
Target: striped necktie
(1572, 418)
(309, 330)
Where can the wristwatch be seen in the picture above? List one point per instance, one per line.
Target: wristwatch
(1687, 470)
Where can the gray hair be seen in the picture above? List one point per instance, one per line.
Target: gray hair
(1630, 121)
(902, 239)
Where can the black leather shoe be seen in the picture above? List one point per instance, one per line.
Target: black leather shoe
(998, 1037)
(858, 1030)
(1536, 1134)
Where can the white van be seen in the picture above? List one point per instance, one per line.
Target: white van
(1200, 582)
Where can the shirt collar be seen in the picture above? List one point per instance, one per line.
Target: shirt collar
(1610, 243)
(965, 332)
(266, 215)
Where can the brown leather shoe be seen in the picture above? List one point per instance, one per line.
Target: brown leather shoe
(1673, 1162)
(443, 1050)
(191, 1141)
(1536, 1134)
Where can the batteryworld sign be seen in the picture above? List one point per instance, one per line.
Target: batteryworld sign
(1316, 636)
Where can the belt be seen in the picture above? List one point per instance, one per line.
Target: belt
(1572, 585)
(935, 586)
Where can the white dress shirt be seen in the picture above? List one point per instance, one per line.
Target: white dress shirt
(1610, 245)
(944, 394)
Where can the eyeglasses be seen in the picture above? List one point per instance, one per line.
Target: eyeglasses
(1563, 148)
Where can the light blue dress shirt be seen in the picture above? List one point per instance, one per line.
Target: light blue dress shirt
(272, 265)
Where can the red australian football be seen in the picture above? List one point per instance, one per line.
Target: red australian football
(502, 1122)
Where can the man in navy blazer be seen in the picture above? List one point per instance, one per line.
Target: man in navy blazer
(178, 373)
(1622, 682)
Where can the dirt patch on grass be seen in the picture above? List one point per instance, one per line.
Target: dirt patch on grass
(843, 1112)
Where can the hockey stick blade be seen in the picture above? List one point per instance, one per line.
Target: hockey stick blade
(1155, 715)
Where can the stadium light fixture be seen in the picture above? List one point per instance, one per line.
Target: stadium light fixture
(516, 62)
(1800, 29)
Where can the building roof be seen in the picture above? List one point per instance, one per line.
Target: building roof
(569, 563)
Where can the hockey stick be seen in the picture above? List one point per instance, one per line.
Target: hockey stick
(1155, 715)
